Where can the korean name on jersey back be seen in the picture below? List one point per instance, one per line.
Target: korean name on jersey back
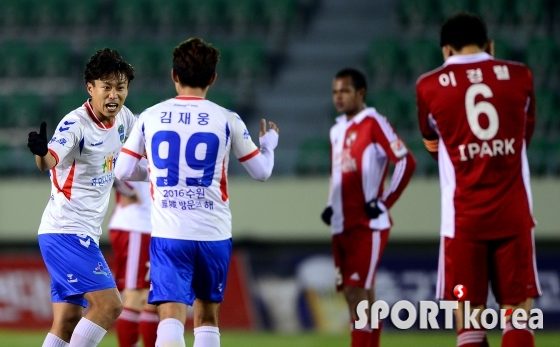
(187, 143)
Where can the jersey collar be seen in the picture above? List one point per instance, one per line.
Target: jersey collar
(357, 118)
(188, 97)
(94, 117)
(468, 58)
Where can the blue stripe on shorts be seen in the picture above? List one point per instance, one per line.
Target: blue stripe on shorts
(76, 267)
(183, 270)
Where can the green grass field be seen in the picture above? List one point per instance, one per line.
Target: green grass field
(229, 339)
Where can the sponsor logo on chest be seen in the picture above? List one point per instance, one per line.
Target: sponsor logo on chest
(347, 162)
(120, 129)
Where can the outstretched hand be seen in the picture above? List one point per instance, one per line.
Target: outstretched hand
(263, 127)
(37, 143)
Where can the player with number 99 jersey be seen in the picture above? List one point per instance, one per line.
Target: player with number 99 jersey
(481, 145)
(187, 141)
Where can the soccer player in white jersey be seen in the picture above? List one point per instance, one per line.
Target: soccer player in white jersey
(129, 231)
(187, 141)
(362, 145)
(81, 158)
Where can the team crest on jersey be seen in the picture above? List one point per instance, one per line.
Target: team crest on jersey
(121, 132)
(351, 138)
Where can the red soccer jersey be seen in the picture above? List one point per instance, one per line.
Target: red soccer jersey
(478, 113)
(360, 152)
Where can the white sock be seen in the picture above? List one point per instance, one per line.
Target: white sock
(206, 336)
(170, 333)
(54, 341)
(87, 334)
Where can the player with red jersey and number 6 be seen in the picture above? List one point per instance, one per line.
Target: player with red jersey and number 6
(476, 115)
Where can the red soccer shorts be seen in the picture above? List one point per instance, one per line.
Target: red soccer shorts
(356, 255)
(508, 264)
(131, 267)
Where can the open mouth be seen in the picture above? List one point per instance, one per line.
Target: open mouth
(112, 106)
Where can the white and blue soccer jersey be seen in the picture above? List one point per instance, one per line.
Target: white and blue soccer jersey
(86, 151)
(187, 141)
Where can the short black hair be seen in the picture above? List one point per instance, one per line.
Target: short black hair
(358, 78)
(107, 64)
(463, 29)
(194, 62)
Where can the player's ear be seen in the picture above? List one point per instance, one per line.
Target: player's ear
(446, 51)
(213, 79)
(174, 76)
(489, 47)
(362, 94)
(89, 87)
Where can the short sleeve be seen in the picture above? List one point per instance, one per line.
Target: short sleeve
(67, 136)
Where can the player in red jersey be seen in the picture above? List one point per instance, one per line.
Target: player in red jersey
(476, 115)
(362, 145)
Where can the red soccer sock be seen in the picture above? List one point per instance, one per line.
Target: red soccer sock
(472, 338)
(149, 321)
(517, 337)
(361, 338)
(376, 335)
(127, 328)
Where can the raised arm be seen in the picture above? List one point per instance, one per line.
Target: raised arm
(260, 165)
(49, 153)
(45, 163)
(38, 145)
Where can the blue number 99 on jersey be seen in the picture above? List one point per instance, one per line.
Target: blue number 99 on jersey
(172, 162)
